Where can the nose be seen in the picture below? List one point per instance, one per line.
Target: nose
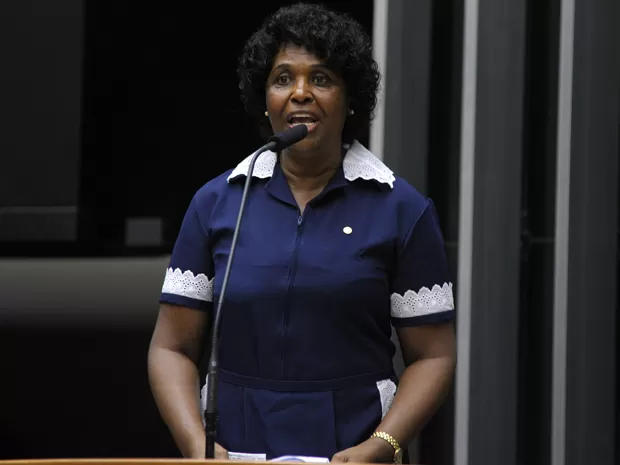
(302, 93)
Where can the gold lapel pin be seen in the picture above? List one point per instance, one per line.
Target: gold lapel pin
(347, 230)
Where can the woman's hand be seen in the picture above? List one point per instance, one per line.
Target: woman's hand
(199, 452)
(373, 450)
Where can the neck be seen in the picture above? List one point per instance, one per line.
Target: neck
(310, 170)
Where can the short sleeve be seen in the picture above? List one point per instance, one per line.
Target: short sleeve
(421, 290)
(189, 276)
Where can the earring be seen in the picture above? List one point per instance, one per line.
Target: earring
(267, 114)
(351, 112)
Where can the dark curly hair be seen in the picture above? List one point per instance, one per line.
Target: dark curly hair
(336, 39)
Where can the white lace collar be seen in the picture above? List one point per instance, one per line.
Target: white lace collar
(358, 163)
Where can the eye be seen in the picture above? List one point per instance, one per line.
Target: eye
(283, 79)
(320, 80)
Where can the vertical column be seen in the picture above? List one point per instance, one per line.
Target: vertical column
(584, 346)
(407, 89)
(489, 233)
(379, 48)
(560, 291)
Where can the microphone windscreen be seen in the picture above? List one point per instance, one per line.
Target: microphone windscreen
(289, 137)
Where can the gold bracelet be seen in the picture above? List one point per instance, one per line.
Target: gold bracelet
(398, 452)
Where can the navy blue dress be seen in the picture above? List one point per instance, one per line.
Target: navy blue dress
(306, 350)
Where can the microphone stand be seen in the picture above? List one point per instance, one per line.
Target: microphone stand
(276, 143)
(211, 411)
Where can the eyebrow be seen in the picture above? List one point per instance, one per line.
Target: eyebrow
(288, 65)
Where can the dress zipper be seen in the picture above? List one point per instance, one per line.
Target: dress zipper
(291, 279)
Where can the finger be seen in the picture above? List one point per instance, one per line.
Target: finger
(221, 453)
(340, 458)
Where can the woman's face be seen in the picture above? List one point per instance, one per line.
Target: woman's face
(301, 90)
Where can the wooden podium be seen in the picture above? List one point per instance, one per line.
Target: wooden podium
(154, 461)
(145, 461)
(121, 461)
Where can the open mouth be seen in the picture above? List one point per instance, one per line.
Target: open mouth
(295, 120)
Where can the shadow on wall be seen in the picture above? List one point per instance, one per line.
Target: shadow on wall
(74, 337)
(78, 392)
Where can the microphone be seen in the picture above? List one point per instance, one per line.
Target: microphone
(289, 137)
(275, 143)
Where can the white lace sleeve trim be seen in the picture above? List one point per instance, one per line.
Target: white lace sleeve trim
(185, 284)
(424, 302)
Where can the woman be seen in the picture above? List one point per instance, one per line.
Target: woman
(334, 250)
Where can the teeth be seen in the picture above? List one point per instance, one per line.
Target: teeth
(302, 119)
